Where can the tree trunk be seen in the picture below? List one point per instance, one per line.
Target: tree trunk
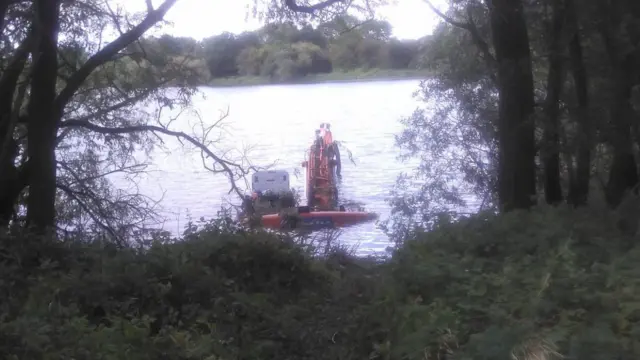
(623, 175)
(42, 123)
(46, 109)
(579, 190)
(11, 179)
(555, 82)
(516, 177)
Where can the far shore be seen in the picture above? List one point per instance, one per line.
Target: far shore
(334, 77)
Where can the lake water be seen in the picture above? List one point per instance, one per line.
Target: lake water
(278, 123)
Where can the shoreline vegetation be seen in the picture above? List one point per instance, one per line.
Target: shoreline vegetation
(280, 54)
(478, 288)
(356, 76)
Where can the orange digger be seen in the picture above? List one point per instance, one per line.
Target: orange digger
(274, 207)
(323, 170)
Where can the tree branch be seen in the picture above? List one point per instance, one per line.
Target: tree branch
(129, 100)
(447, 19)
(226, 165)
(114, 215)
(106, 53)
(72, 195)
(130, 169)
(471, 27)
(9, 116)
(310, 9)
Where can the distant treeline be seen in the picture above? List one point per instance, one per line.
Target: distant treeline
(285, 52)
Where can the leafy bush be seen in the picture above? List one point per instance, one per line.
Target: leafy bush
(539, 283)
(214, 295)
(545, 282)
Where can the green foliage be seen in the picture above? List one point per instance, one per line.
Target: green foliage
(221, 53)
(547, 282)
(214, 295)
(285, 52)
(358, 75)
(454, 135)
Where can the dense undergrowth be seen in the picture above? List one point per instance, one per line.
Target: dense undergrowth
(543, 283)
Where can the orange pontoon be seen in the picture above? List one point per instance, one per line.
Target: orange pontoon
(318, 219)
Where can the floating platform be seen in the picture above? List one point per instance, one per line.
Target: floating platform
(315, 220)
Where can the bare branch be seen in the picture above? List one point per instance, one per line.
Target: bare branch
(107, 210)
(129, 100)
(293, 6)
(71, 194)
(227, 166)
(131, 169)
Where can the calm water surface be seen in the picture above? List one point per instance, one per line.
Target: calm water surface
(277, 123)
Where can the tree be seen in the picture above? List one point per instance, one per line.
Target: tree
(311, 59)
(399, 54)
(176, 45)
(580, 178)
(251, 60)
(51, 102)
(221, 52)
(375, 29)
(310, 35)
(516, 178)
(343, 51)
(277, 49)
(514, 82)
(623, 53)
(557, 84)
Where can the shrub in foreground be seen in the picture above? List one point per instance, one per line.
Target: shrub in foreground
(527, 285)
(213, 296)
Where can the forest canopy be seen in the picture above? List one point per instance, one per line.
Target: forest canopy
(287, 51)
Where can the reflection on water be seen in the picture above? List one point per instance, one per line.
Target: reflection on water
(277, 123)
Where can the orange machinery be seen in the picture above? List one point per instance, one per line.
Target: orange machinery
(323, 168)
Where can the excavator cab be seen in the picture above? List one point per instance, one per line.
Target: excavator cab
(271, 192)
(271, 180)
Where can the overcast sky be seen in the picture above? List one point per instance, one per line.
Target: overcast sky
(411, 19)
